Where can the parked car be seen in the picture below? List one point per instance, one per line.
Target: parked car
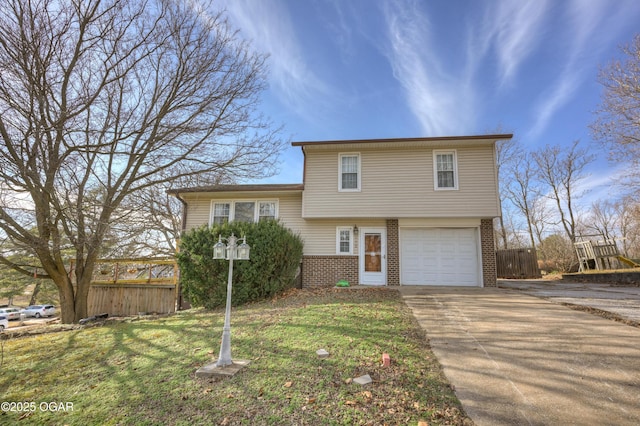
(4, 323)
(39, 311)
(10, 313)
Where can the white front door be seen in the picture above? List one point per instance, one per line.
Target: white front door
(373, 256)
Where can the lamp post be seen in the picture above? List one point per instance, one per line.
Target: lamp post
(229, 251)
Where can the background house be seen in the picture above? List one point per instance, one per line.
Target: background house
(415, 211)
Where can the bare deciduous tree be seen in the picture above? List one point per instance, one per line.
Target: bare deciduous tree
(506, 151)
(561, 170)
(540, 217)
(102, 99)
(522, 189)
(617, 123)
(628, 223)
(602, 218)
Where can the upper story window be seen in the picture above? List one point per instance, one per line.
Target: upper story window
(243, 211)
(349, 173)
(445, 169)
(344, 240)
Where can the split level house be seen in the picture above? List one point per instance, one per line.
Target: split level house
(410, 211)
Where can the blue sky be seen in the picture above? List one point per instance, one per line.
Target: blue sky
(359, 69)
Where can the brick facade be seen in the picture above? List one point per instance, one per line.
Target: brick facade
(488, 253)
(393, 253)
(326, 271)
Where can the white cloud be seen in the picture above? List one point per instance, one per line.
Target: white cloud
(443, 101)
(590, 28)
(267, 24)
(513, 30)
(440, 103)
(601, 184)
(560, 93)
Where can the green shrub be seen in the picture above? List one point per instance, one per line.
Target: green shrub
(275, 257)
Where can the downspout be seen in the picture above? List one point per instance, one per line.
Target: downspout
(184, 211)
(184, 228)
(304, 180)
(304, 166)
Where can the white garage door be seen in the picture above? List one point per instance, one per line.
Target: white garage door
(439, 256)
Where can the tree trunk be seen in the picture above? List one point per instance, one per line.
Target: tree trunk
(67, 300)
(34, 295)
(530, 227)
(73, 299)
(82, 296)
(504, 234)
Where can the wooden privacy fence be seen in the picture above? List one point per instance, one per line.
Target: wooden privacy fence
(517, 263)
(124, 287)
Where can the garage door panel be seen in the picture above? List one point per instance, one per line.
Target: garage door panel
(439, 256)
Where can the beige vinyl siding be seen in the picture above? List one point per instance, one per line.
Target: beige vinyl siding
(400, 183)
(319, 236)
(198, 211)
(200, 204)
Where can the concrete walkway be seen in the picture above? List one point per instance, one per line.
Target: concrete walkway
(516, 359)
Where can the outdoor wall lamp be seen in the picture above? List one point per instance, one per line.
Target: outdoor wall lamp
(355, 229)
(229, 251)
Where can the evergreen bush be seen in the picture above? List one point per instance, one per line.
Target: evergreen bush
(275, 257)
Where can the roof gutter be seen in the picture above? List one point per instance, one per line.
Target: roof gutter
(393, 140)
(184, 209)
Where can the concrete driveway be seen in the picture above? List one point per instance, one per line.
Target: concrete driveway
(517, 359)
(623, 302)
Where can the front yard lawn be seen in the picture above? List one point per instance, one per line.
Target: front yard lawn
(142, 372)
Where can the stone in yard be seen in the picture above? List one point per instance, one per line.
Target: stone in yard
(363, 380)
(322, 353)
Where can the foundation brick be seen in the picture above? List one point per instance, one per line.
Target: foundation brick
(326, 271)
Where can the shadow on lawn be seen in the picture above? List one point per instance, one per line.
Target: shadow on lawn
(143, 370)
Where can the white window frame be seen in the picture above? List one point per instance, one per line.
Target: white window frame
(358, 171)
(213, 210)
(275, 209)
(437, 152)
(232, 208)
(339, 229)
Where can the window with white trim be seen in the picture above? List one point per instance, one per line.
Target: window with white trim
(349, 173)
(344, 240)
(220, 213)
(445, 169)
(243, 211)
(267, 210)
